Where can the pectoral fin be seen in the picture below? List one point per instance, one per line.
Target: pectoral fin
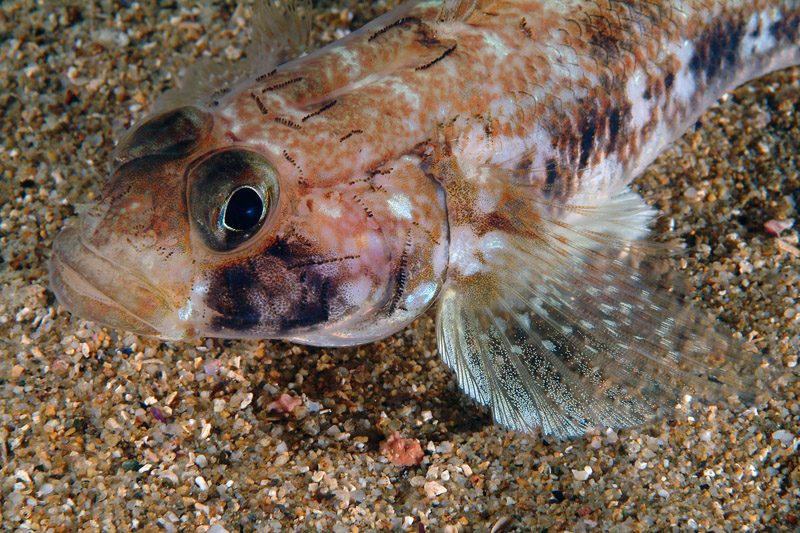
(564, 322)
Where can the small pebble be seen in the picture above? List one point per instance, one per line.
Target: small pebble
(201, 483)
(433, 489)
(582, 475)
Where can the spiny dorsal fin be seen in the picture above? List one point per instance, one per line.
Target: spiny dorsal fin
(560, 317)
(279, 32)
(461, 10)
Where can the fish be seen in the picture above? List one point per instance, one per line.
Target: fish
(476, 155)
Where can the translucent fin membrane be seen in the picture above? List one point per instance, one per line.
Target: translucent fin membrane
(578, 324)
(279, 32)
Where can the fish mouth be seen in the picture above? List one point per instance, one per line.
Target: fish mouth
(95, 287)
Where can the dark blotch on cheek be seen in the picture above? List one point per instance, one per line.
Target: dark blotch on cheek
(230, 296)
(262, 294)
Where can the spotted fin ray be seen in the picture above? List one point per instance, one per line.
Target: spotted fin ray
(563, 321)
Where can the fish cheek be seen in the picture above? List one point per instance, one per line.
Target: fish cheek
(141, 209)
(262, 296)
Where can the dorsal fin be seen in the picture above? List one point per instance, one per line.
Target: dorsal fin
(461, 10)
(279, 32)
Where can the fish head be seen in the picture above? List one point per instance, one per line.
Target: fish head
(200, 234)
(128, 261)
(337, 262)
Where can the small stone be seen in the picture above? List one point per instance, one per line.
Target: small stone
(444, 447)
(201, 483)
(582, 475)
(776, 227)
(284, 404)
(433, 489)
(206, 430)
(783, 436)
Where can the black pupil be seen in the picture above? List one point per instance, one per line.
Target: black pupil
(244, 209)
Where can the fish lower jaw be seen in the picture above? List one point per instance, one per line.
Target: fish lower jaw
(90, 286)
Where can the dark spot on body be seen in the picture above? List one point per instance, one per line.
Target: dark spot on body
(229, 296)
(787, 28)
(588, 131)
(614, 124)
(718, 48)
(283, 289)
(669, 79)
(496, 220)
(551, 173)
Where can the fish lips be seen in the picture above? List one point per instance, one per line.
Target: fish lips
(93, 286)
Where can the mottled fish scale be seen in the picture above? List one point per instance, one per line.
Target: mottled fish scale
(474, 152)
(603, 85)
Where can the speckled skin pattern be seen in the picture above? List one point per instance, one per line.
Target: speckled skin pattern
(433, 153)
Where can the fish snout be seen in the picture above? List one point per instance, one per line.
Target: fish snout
(100, 287)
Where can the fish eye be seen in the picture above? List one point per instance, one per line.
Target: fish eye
(231, 194)
(243, 210)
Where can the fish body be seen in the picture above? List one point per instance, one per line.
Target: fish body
(477, 153)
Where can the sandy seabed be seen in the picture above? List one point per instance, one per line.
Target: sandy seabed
(101, 430)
